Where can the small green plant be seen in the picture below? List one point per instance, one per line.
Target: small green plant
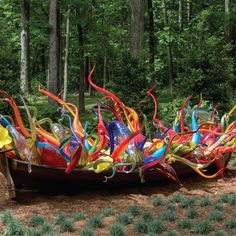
(230, 224)
(187, 202)
(205, 201)
(37, 220)
(67, 226)
(6, 217)
(168, 216)
(172, 233)
(79, 216)
(14, 228)
(156, 226)
(134, 210)
(177, 198)
(224, 198)
(216, 216)
(60, 218)
(147, 216)
(117, 230)
(32, 232)
(46, 229)
(218, 206)
(158, 201)
(184, 224)
(124, 218)
(192, 213)
(219, 233)
(141, 226)
(171, 207)
(232, 199)
(203, 227)
(87, 232)
(107, 212)
(95, 221)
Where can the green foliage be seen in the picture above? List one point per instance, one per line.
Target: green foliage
(37, 220)
(6, 217)
(225, 198)
(170, 207)
(203, 227)
(187, 202)
(141, 226)
(87, 232)
(230, 224)
(14, 227)
(60, 218)
(117, 230)
(172, 233)
(184, 224)
(65, 223)
(216, 216)
(95, 221)
(168, 216)
(177, 198)
(192, 213)
(108, 212)
(134, 210)
(147, 216)
(156, 226)
(79, 216)
(158, 201)
(32, 232)
(219, 233)
(205, 201)
(124, 218)
(47, 229)
(218, 206)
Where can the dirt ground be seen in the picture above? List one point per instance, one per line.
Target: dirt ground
(94, 200)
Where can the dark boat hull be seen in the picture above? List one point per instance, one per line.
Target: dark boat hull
(48, 176)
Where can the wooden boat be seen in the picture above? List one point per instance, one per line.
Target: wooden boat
(17, 175)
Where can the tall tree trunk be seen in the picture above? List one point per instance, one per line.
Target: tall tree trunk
(54, 54)
(151, 31)
(169, 49)
(81, 74)
(25, 48)
(66, 54)
(104, 68)
(137, 26)
(180, 15)
(189, 10)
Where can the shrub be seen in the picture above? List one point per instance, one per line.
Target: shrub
(14, 227)
(216, 216)
(117, 230)
(232, 199)
(184, 224)
(67, 226)
(6, 217)
(141, 226)
(87, 232)
(219, 233)
(168, 216)
(37, 220)
(47, 229)
(203, 227)
(218, 206)
(187, 202)
(230, 224)
(124, 218)
(205, 201)
(32, 232)
(177, 198)
(224, 198)
(60, 218)
(192, 213)
(172, 233)
(171, 207)
(148, 217)
(108, 212)
(134, 210)
(96, 221)
(158, 201)
(79, 216)
(156, 226)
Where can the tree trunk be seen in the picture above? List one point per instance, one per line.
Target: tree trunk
(54, 54)
(66, 54)
(189, 10)
(137, 26)
(169, 49)
(25, 48)
(151, 31)
(81, 74)
(180, 15)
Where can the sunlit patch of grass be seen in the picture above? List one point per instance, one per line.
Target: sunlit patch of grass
(96, 222)
(14, 227)
(87, 232)
(172, 233)
(124, 218)
(184, 224)
(107, 212)
(192, 213)
(230, 224)
(117, 230)
(37, 220)
(134, 210)
(158, 201)
(219, 233)
(79, 216)
(205, 201)
(203, 227)
(216, 216)
(187, 202)
(168, 216)
(6, 217)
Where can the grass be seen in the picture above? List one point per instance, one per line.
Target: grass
(107, 212)
(172, 233)
(192, 213)
(147, 217)
(216, 216)
(117, 230)
(87, 232)
(177, 198)
(168, 216)
(203, 227)
(141, 226)
(218, 206)
(156, 226)
(32, 232)
(14, 227)
(219, 233)
(65, 223)
(37, 220)
(171, 207)
(158, 201)
(187, 202)
(47, 229)
(134, 210)
(95, 222)
(6, 217)
(124, 218)
(79, 216)
(184, 224)
(205, 201)
(230, 224)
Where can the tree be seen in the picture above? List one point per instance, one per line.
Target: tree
(180, 15)
(54, 52)
(25, 48)
(137, 26)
